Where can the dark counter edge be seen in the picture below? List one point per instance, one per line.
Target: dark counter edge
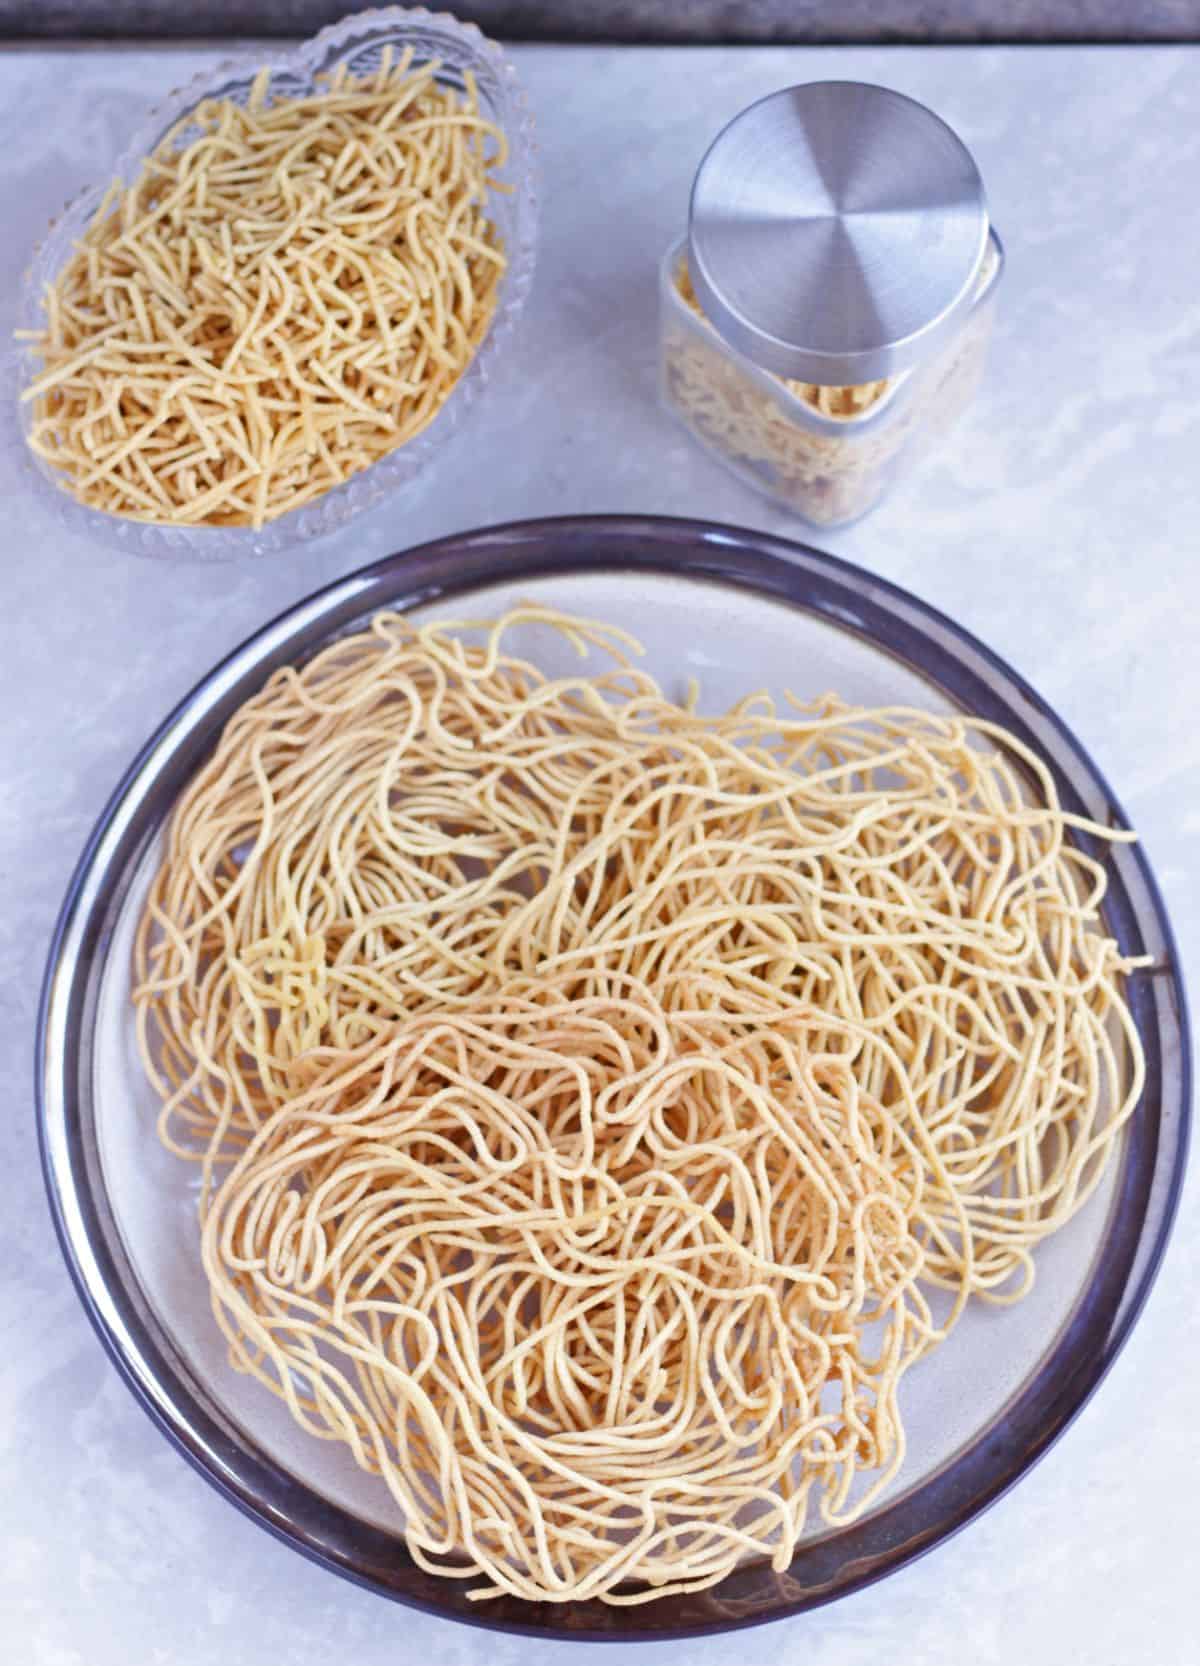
(647, 22)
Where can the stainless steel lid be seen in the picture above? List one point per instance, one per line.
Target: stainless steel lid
(836, 232)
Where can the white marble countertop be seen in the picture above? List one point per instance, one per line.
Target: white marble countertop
(1061, 523)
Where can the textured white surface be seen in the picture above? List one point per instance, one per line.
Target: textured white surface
(1060, 523)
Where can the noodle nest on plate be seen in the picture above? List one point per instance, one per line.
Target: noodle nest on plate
(599, 1105)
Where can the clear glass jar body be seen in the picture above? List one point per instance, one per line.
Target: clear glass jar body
(827, 469)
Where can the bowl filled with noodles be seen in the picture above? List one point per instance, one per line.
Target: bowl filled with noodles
(596, 1131)
(286, 301)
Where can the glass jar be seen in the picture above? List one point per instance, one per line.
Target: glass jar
(888, 380)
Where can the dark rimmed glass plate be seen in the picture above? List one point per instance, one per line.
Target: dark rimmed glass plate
(739, 610)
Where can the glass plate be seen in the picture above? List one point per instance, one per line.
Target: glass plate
(358, 42)
(738, 610)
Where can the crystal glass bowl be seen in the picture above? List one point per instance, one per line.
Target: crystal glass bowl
(357, 42)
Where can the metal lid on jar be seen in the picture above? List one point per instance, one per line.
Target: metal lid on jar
(836, 232)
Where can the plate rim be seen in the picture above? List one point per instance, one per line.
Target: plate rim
(762, 563)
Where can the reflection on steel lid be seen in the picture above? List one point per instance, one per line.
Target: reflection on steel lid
(836, 232)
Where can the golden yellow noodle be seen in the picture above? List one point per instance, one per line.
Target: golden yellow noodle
(586, 1283)
(590, 1093)
(288, 292)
